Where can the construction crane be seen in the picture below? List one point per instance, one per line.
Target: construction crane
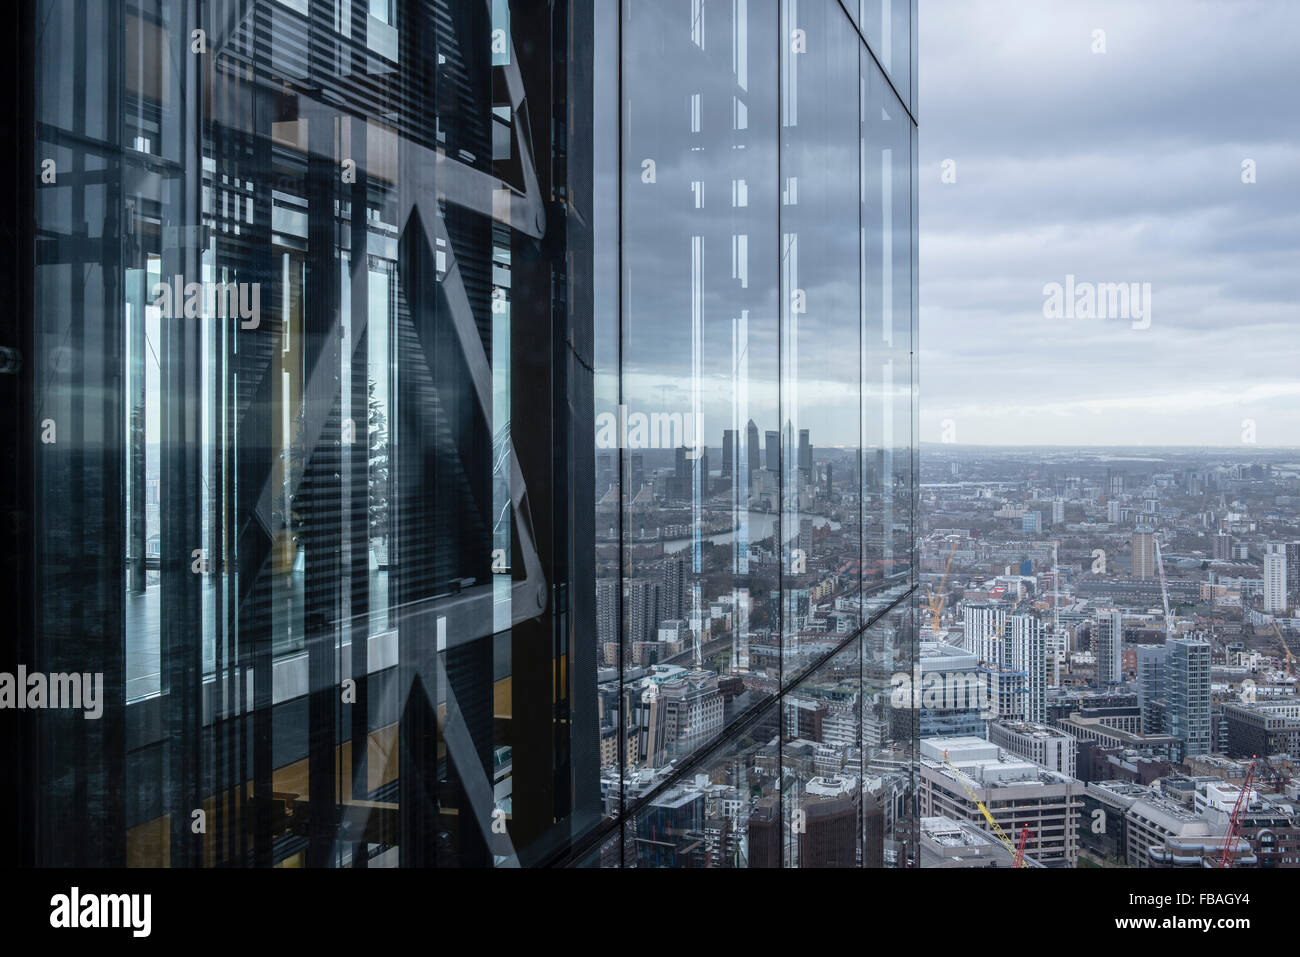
(1234, 822)
(1290, 658)
(968, 786)
(936, 603)
(1020, 848)
(1164, 590)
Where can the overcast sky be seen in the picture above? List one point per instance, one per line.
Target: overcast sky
(1122, 166)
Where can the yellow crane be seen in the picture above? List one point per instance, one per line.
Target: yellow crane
(968, 785)
(936, 602)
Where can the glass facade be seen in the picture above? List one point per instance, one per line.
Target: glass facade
(464, 433)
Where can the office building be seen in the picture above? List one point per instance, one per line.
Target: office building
(1051, 748)
(1103, 836)
(827, 835)
(1261, 728)
(374, 359)
(1018, 793)
(954, 696)
(752, 449)
(947, 843)
(1163, 832)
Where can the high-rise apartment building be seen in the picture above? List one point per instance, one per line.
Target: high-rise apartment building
(372, 359)
(1275, 577)
(1027, 653)
(1187, 693)
(1293, 571)
(1152, 662)
(984, 625)
(1108, 641)
(1144, 552)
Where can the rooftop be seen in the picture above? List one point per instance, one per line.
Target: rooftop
(1033, 730)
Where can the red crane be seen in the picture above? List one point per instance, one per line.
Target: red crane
(1020, 848)
(1234, 822)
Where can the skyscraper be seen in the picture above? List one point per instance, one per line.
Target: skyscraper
(752, 448)
(1275, 577)
(1144, 552)
(1222, 547)
(365, 552)
(1152, 664)
(984, 625)
(1108, 640)
(1027, 652)
(805, 451)
(1293, 571)
(1187, 691)
(773, 462)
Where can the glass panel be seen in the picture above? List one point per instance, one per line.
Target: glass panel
(610, 458)
(821, 761)
(722, 812)
(889, 733)
(297, 293)
(699, 373)
(607, 854)
(889, 28)
(887, 461)
(820, 334)
(452, 422)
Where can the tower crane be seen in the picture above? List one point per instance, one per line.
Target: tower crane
(1234, 822)
(936, 602)
(1164, 591)
(967, 784)
(1020, 848)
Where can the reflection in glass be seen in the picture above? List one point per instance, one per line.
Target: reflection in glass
(468, 433)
